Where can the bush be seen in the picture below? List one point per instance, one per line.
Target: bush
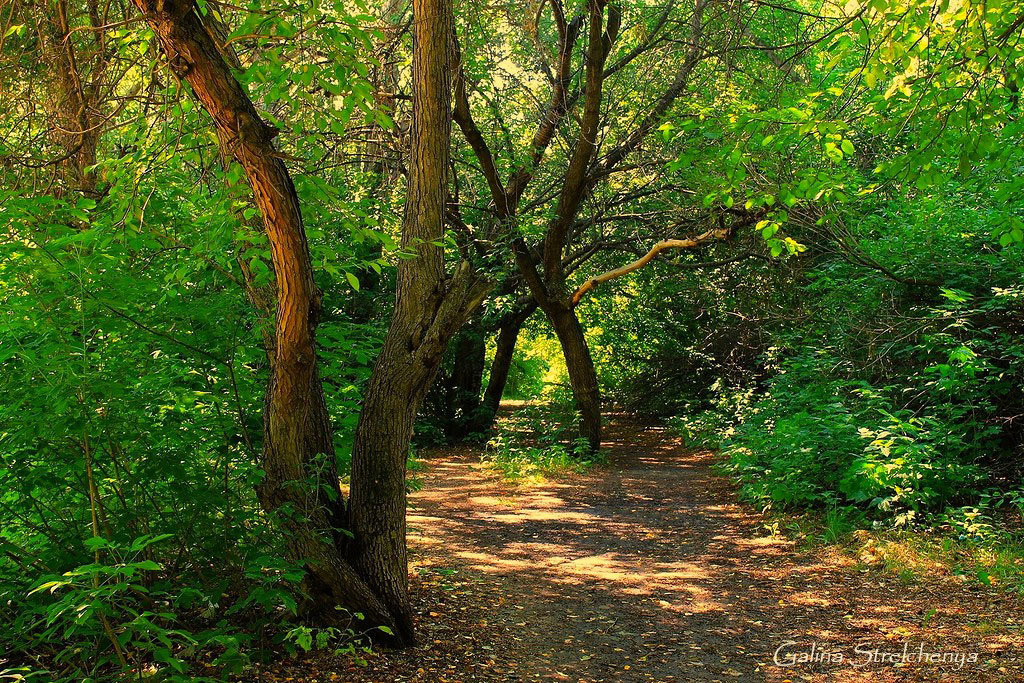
(815, 439)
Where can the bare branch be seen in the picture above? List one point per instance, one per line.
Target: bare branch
(689, 243)
(464, 118)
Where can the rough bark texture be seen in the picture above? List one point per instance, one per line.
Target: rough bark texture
(429, 309)
(379, 454)
(301, 483)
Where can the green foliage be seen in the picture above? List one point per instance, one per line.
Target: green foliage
(538, 367)
(811, 441)
(520, 462)
(707, 427)
(886, 401)
(864, 360)
(133, 361)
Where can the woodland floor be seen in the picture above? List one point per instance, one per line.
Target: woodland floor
(649, 569)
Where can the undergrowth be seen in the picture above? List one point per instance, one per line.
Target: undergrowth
(539, 442)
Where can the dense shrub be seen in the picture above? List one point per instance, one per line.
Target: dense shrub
(811, 440)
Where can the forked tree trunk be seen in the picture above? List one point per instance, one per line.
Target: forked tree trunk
(550, 292)
(429, 310)
(301, 483)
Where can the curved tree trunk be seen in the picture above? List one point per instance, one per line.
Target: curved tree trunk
(301, 483)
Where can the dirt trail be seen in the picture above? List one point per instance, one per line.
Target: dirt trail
(649, 569)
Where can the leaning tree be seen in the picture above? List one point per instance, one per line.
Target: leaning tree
(354, 552)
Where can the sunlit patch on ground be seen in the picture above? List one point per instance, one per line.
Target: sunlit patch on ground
(649, 569)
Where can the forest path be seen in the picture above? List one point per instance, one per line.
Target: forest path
(649, 569)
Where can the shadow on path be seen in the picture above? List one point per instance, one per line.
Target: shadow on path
(649, 569)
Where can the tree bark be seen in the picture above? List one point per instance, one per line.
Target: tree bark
(301, 483)
(689, 243)
(429, 310)
(550, 290)
(378, 496)
(582, 375)
(551, 297)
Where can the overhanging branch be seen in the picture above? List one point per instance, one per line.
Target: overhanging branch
(689, 243)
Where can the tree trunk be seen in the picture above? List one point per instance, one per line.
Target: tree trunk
(380, 450)
(429, 310)
(549, 290)
(301, 484)
(71, 103)
(505, 348)
(582, 375)
(467, 378)
(557, 306)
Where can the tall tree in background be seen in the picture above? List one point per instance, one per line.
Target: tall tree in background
(544, 264)
(72, 82)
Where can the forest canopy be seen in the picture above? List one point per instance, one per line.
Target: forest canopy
(256, 257)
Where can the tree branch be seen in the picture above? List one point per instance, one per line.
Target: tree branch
(690, 243)
(679, 83)
(598, 46)
(464, 118)
(567, 35)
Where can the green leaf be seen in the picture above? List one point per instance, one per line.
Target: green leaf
(95, 543)
(148, 565)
